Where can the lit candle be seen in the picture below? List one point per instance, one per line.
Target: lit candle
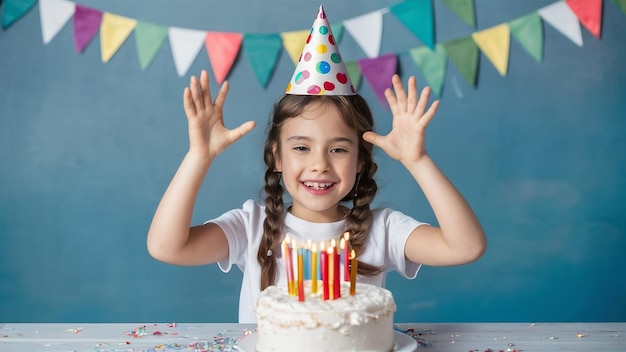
(300, 275)
(314, 268)
(346, 254)
(353, 270)
(337, 282)
(324, 260)
(288, 265)
(331, 271)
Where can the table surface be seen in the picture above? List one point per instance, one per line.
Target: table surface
(158, 337)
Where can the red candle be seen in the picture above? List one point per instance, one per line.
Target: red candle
(331, 270)
(337, 282)
(324, 261)
(300, 276)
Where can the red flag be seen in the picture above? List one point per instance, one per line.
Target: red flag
(589, 13)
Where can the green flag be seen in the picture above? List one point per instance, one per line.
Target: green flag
(149, 38)
(464, 9)
(433, 65)
(464, 55)
(528, 31)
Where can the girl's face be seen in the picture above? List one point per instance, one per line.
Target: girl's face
(319, 162)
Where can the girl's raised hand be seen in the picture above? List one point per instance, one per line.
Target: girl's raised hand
(406, 140)
(207, 134)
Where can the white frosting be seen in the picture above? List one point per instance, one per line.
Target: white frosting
(363, 322)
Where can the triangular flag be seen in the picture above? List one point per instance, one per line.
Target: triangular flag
(433, 65)
(113, 32)
(464, 9)
(495, 43)
(186, 44)
(528, 30)
(589, 13)
(294, 43)
(337, 29)
(86, 24)
(418, 17)
(354, 73)
(222, 49)
(621, 4)
(149, 38)
(54, 14)
(464, 55)
(263, 52)
(367, 31)
(13, 10)
(378, 73)
(561, 17)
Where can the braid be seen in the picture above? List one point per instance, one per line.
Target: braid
(359, 218)
(272, 226)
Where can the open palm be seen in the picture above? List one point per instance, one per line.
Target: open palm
(411, 115)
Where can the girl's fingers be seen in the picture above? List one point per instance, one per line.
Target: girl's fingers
(412, 98)
(423, 101)
(220, 99)
(190, 108)
(425, 120)
(206, 89)
(399, 91)
(196, 93)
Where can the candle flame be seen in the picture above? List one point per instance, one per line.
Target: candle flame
(346, 235)
(342, 243)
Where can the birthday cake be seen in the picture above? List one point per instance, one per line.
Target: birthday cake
(359, 322)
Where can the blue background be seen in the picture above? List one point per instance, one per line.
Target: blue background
(87, 149)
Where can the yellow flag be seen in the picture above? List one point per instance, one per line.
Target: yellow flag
(294, 43)
(495, 42)
(113, 32)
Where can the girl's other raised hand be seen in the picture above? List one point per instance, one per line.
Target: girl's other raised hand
(411, 115)
(208, 136)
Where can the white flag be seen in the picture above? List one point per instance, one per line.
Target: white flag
(564, 20)
(367, 31)
(185, 44)
(54, 14)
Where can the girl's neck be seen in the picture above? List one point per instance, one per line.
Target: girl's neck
(328, 216)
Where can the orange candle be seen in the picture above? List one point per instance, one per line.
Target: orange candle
(345, 247)
(324, 260)
(314, 268)
(353, 270)
(300, 276)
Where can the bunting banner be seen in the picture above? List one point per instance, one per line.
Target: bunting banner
(263, 50)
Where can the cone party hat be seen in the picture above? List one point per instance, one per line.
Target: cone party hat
(320, 69)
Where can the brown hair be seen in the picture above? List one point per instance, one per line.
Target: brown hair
(357, 115)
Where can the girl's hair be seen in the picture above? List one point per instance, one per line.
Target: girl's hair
(357, 115)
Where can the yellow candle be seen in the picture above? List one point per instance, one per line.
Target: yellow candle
(314, 268)
(353, 270)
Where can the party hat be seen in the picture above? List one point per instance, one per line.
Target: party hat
(320, 69)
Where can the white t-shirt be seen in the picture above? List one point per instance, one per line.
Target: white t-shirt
(244, 230)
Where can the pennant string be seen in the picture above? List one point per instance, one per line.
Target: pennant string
(263, 50)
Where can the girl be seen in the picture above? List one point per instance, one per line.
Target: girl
(318, 149)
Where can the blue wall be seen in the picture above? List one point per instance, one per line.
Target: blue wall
(86, 150)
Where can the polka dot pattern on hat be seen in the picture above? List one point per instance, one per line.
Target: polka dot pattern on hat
(320, 69)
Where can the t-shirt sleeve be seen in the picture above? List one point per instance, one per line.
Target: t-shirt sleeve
(235, 225)
(399, 226)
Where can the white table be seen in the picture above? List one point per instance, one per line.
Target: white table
(187, 337)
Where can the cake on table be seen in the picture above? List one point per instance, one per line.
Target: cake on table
(362, 321)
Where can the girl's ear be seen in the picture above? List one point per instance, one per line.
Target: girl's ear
(278, 166)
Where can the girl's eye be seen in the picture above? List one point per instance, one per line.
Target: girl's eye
(300, 149)
(338, 150)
